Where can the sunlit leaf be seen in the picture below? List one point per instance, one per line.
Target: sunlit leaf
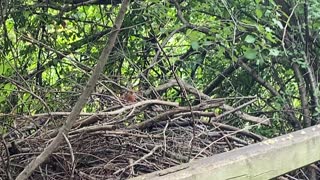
(195, 45)
(277, 22)
(274, 52)
(259, 13)
(250, 39)
(250, 54)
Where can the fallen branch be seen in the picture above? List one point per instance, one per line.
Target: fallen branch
(247, 117)
(115, 112)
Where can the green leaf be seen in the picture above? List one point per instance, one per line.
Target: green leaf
(277, 22)
(208, 43)
(3, 69)
(268, 29)
(250, 39)
(9, 87)
(270, 37)
(274, 52)
(11, 32)
(250, 54)
(2, 98)
(195, 45)
(194, 35)
(259, 13)
(259, 62)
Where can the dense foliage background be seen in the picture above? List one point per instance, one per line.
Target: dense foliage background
(224, 48)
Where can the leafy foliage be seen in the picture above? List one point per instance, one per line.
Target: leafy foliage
(48, 51)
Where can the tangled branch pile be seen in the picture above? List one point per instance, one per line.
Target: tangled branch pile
(128, 138)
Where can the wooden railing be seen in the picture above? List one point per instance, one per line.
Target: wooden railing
(264, 160)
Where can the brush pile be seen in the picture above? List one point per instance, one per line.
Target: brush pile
(130, 137)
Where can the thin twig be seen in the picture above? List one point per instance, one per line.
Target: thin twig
(72, 156)
(233, 110)
(285, 29)
(137, 161)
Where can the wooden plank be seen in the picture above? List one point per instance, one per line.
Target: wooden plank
(264, 160)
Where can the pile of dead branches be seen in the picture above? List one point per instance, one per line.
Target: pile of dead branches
(128, 139)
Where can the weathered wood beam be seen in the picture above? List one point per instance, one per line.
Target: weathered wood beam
(264, 160)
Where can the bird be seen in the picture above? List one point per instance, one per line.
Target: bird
(129, 96)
